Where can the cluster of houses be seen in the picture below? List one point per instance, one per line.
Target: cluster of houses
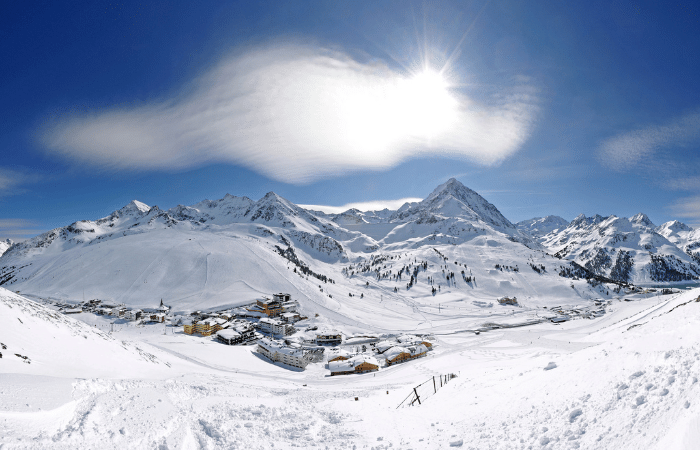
(96, 306)
(390, 352)
(275, 318)
(228, 330)
(565, 314)
(403, 348)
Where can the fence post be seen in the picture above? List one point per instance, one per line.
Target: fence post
(434, 386)
(417, 397)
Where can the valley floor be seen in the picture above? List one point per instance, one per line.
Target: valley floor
(627, 380)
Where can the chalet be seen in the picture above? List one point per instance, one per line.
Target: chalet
(271, 308)
(281, 298)
(188, 326)
(118, 311)
(356, 364)
(383, 346)
(209, 326)
(290, 317)
(409, 339)
(329, 337)
(273, 326)
(397, 354)
(339, 355)
(277, 351)
(133, 314)
(229, 337)
(156, 317)
(508, 301)
(559, 319)
(245, 329)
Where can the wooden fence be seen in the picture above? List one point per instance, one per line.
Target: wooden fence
(426, 389)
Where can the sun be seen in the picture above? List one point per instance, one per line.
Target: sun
(425, 104)
(406, 109)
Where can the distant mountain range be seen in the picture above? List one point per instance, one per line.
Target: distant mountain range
(631, 250)
(224, 247)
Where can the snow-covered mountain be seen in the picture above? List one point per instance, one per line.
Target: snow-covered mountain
(683, 236)
(630, 250)
(4, 245)
(539, 226)
(452, 214)
(449, 200)
(232, 250)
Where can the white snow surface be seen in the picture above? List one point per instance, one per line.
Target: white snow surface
(625, 381)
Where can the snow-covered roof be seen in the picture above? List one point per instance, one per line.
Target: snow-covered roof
(278, 347)
(350, 364)
(395, 351)
(384, 345)
(270, 321)
(418, 349)
(228, 334)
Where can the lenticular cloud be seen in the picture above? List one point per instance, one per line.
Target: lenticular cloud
(294, 113)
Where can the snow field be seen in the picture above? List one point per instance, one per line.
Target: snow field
(614, 385)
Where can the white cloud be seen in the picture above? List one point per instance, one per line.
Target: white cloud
(18, 229)
(684, 183)
(627, 150)
(687, 208)
(298, 113)
(11, 180)
(372, 205)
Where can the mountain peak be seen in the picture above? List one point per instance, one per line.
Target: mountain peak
(675, 226)
(451, 186)
(453, 199)
(135, 206)
(642, 219)
(582, 220)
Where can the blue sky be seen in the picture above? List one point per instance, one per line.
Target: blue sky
(542, 107)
